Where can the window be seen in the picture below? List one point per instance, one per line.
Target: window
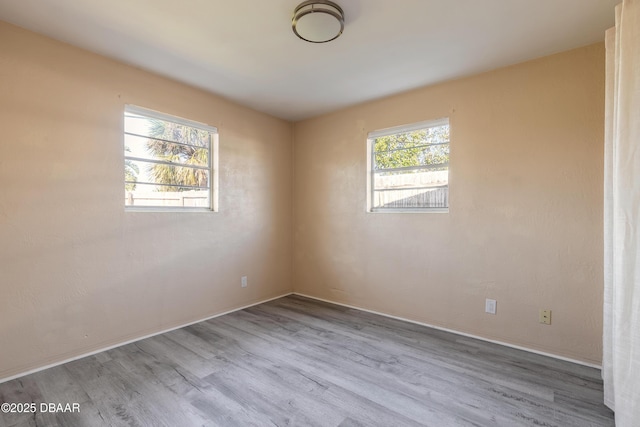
(169, 162)
(409, 168)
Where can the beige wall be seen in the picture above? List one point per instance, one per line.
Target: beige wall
(525, 220)
(77, 273)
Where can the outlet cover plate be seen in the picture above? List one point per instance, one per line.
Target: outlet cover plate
(545, 316)
(243, 281)
(490, 306)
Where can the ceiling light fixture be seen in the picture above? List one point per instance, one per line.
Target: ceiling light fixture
(318, 21)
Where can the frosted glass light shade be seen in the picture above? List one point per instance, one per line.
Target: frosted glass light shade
(318, 21)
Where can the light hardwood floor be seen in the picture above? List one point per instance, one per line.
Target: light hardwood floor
(295, 361)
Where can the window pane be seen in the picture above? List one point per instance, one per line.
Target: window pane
(164, 196)
(169, 175)
(145, 148)
(407, 198)
(418, 156)
(418, 178)
(165, 130)
(429, 135)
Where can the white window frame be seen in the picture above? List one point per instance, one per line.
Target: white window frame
(213, 159)
(371, 136)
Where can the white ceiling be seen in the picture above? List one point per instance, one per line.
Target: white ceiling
(245, 49)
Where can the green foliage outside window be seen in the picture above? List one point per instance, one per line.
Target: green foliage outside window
(195, 153)
(417, 148)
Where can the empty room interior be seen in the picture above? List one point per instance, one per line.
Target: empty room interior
(320, 213)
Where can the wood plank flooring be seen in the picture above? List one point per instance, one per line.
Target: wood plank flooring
(299, 362)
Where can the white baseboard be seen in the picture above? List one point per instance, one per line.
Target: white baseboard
(453, 331)
(120, 344)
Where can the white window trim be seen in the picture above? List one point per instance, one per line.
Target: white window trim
(371, 136)
(213, 160)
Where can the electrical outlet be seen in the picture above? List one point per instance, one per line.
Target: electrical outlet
(490, 306)
(243, 281)
(545, 316)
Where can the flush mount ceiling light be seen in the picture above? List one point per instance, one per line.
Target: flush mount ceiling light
(318, 21)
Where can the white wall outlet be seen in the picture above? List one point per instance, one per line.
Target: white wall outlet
(243, 281)
(490, 306)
